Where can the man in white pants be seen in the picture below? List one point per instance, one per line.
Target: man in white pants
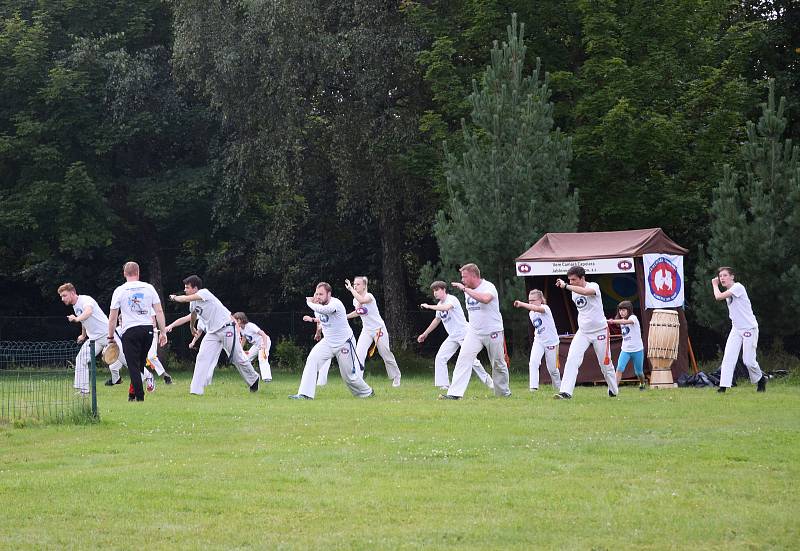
(337, 341)
(94, 325)
(136, 301)
(449, 314)
(373, 329)
(592, 331)
(744, 331)
(545, 340)
(259, 343)
(484, 330)
(220, 334)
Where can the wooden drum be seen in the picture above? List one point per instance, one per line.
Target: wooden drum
(662, 346)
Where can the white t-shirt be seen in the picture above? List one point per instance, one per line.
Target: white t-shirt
(135, 300)
(213, 313)
(453, 319)
(370, 316)
(631, 335)
(739, 308)
(333, 319)
(251, 334)
(590, 309)
(96, 325)
(484, 318)
(544, 326)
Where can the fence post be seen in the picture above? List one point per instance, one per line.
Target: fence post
(93, 376)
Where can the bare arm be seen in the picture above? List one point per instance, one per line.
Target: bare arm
(113, 315)
(353, 314)
(434, 324)
(185, 298)
(178, 322)
(621, 321)
(483, 298)
(719, 295)
(441, 307)
(528, 306)
(85, 315)
(162, 336)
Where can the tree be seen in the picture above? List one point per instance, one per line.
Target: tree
(511, 185)
(755, 225)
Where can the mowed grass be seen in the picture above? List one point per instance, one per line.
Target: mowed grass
(678, 469)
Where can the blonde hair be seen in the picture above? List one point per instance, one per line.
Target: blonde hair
(363, 279)
(67, 287)
(471, 268)
(537, 293)
(130, 268)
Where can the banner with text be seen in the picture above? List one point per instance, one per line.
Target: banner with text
(663, 280)
(560, 267)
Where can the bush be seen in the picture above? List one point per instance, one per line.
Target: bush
(289, 356)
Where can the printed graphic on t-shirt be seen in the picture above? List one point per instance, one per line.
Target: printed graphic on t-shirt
(581, 302)
(626, 329)
(362, 311)
(323, 318)
(472, 304)
(135, 304)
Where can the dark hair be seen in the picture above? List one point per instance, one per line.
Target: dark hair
(625, 305)
(193, 281)
(727, 269)
(324, 285)
(576, 271)
(438, 285)
(241, 316)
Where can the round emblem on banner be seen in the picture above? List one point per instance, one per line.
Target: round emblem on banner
(524, 268)
(664, 280)
(624, 265)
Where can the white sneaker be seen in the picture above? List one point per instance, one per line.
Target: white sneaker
(151, 384)
(396, 381)
(444, 388)
(489, 383)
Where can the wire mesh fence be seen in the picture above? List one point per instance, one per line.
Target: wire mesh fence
(37, 382)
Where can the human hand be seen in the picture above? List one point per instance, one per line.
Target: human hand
(421, 338)
(348, 285)
(72, 318)
(162, 338)
(715, 281)
(458, 285)
(517, 304)
(81, 338)
(560, 283)
(309, 319)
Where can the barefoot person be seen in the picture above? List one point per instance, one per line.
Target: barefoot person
(744, 331)
(449, 314)
(484, 330)
(545, 340)
(592, 331)
(632, 345)
(337, 341)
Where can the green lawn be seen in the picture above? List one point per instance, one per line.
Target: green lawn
(683, 469)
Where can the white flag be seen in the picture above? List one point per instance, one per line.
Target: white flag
(663, 280)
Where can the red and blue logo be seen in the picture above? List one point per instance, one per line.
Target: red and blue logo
(664, 280)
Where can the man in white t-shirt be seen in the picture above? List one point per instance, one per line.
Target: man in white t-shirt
(449, 314)
(744, 331)
(337, 341)
(135, 301)
(484, 330)
(94, 324)
(221, 333)
(592, 331)
(373, 328)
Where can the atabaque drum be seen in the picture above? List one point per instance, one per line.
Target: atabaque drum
(662, 340)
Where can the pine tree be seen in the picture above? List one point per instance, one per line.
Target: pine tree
(511, 184)
(755, 225)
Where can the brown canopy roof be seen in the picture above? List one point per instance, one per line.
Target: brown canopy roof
(608, 244)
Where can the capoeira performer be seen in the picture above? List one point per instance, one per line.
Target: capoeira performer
(545, 340)
(450, 314)
(632, 345)
(485, 329)
(592, 331)
(259, 343)
(220, 334)
(154, 362)
(94, 326)
(148, 380)
(136, 300)
(338, 340)
(744, 331)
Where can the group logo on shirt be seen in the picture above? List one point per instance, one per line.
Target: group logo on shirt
(581, 302)
(135, 303)
(625, 330)
(198, 310)
(472, 304)
(443, 314)
(78, 311)
(362, 311)
(323, 318)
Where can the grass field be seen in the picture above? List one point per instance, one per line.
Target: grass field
(679, 469)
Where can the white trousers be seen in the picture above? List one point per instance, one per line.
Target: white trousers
(745, 340)
(152, 355)
(263, 359)
(208, 356)
(349, 368)
(84, 359)
(580, 342)
(550, 354)
(122, 362)
(470, 348)
(365, 340)
(450, 346)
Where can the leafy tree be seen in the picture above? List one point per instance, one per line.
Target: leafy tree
(511, 184)
(755, 224)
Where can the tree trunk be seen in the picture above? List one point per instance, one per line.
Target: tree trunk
(394, 278)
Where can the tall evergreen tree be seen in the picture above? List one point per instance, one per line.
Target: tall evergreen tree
(511, 184)
(755, 225)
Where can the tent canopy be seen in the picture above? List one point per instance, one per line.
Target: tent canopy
(592, 245)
